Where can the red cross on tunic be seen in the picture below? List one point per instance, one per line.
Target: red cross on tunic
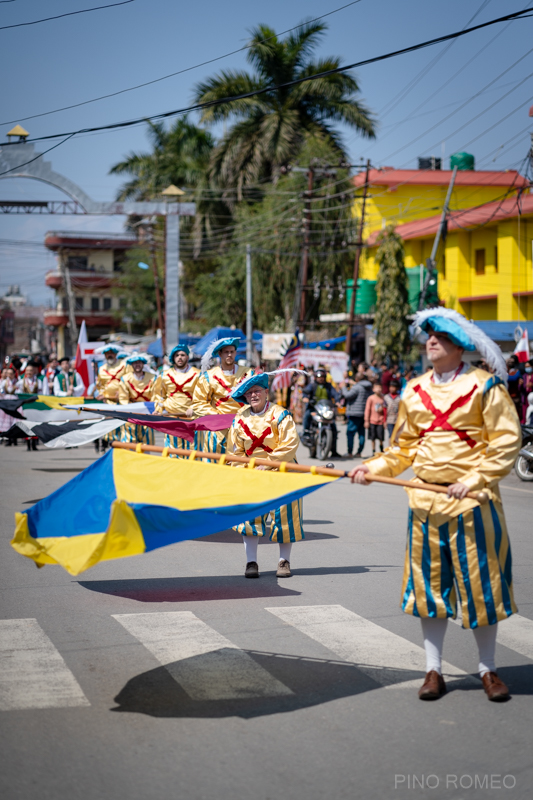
(224, 386)
(179, 386)
(257, 441)
(441, 417)
(140, 395)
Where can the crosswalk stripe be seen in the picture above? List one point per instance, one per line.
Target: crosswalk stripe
(205, 664)
(387, 658)
(516, 633)
(33, 674)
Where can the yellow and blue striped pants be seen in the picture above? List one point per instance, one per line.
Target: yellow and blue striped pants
(286, 524)
(184, 444)
(136, 433)
(213, 442)
(468, 556)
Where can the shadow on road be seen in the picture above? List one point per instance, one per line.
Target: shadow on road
(231, 537)
(181, 590)
(311, 682)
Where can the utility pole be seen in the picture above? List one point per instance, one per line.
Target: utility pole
(73, 329)
(359, 247)
(157, 292)
(431, 261)
(249, 320)
(305, 253)
(172, 266)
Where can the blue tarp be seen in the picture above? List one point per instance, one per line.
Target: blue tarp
(503, 331)
(325, 344)
(156, 348)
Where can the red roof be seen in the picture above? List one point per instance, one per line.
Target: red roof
(88, 241)
(468, 218)
(388, 176)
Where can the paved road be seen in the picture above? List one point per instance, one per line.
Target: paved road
(170, 676)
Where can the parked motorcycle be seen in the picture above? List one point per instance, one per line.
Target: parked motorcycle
(319, 438)
(524, 462)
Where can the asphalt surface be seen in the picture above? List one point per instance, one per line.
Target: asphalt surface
(282, 701)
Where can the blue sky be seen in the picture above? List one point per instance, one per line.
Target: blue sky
(66, 61)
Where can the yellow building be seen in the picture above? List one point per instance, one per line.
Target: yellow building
(485, 265)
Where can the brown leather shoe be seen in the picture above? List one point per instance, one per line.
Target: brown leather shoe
(433, 686)
(252, 570)
(495, 688)
(284, 569)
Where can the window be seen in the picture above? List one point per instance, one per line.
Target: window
(107, 304)
(122, 303)
(77, 262)
(480, 262)
(118, 260)
(496, 258)
(78, 303)
(95, 304)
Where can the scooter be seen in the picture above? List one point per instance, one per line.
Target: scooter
(319, 438)
(524, 463)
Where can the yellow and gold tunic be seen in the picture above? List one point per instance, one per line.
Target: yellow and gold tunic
(270, 434)
(174, 390)
(212, 396)
(467, 431)
(136, 390)
(108, 381)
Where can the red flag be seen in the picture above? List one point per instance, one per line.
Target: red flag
(84, 358)
(521, 350)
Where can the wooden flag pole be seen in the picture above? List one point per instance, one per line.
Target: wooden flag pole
(285, 466)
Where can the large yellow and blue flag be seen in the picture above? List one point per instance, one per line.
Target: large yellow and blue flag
(127, 503)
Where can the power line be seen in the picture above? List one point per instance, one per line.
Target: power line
(60, 16)
(179, 72)
(337, 70)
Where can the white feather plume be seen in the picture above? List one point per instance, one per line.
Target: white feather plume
(486, 347)
(208, 355)
(279, 371)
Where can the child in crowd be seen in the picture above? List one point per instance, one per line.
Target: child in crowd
(376, 417)
(392, 404)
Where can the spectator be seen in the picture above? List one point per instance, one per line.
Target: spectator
(356, 393)
(392, 404)
(386, 377)
(376, 417)
(319, 389)
(515, 385)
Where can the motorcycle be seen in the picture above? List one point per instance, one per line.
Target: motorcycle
(319, 438)
(524, 462)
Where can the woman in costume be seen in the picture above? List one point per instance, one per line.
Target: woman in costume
(266, 430)
(212, 394)
(136, 387)
(173, 393)
(457, 426)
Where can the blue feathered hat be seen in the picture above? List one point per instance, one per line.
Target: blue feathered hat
(180, 348)
(137, 357)
(215, 348)
(115, 348)
(256, 380)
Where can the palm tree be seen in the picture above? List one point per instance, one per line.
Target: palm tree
(180, 155)
(269, 129)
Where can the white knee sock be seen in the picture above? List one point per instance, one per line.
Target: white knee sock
(433, 631)
(250, 545)
(285, 551)
(486, 644)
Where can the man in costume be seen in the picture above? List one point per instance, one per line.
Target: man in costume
(109, 375)
(174, 390)
(212, 393)
(265, 430)
(31, 382)
(68, 382)
(51, 370)
(456, 426)
(136, 387)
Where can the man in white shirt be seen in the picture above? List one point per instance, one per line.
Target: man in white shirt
(68, 382)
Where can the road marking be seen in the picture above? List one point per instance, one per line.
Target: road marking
(205, 664)
(387, 658)
(516, 633)
(33, 674)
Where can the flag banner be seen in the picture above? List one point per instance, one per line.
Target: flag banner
(47, 408)
(165, 424)
(521, 350)
(186, 429)
(128, 503)
(64, 433)
(11, 407)
(138, 408)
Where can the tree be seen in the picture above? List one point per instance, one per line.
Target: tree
(136, 290)
(269, 129)
(273, 227)
(392, 308)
